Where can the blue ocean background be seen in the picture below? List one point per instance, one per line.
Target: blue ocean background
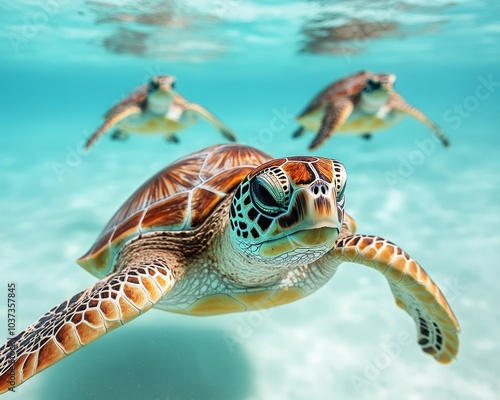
(256, 64)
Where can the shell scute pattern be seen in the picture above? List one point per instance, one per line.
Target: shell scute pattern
(273, 163)
(172, 211)
(302, 172)
(180, 197)
(219, 159)
(347, 86)
(325, 171)
(202, 203)
(351, 84)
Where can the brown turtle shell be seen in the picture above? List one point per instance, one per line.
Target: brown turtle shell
(138, 97)
(348, 86)
(179, 197)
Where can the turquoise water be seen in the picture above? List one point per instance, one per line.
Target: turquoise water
(64, 64)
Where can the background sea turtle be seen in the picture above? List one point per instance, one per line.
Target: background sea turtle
(156, 108)
(361, 104)
(223, 230)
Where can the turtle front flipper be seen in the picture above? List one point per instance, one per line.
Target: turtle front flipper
(336, 114)
(400, 105)
(413, 289)
(111, 121)
(85, 317)
(213, 120)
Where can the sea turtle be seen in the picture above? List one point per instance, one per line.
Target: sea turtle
(155, 108)
(227, 229)
(359, 104)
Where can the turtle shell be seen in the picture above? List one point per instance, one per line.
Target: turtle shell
(179, 197)
(348, 86)
(137, 97)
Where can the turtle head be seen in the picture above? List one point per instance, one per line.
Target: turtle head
(160, 93)
(289, 211)
(378, 88)
(161, 85)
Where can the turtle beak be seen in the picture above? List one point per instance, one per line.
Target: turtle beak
(312, 223)
(386, 86)
(317, 237)
(314, 217)
(387, 81)
(166, 88)
(321, 224)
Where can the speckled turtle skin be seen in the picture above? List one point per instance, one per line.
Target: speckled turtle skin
(361, 103)
(226, 229)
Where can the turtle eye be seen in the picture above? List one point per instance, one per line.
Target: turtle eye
(371, 86)
(264, 198)
(154, 85)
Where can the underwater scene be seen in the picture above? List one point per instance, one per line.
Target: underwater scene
(418, 133)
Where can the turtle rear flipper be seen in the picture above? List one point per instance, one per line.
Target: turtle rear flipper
(299, 132)
(119, 135)
(172, 138)
(85, 317)
(413, 290)
(213, 120)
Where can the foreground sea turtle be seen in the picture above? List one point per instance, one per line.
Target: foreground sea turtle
(360, 104)
(155, 108)
(226, 229)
